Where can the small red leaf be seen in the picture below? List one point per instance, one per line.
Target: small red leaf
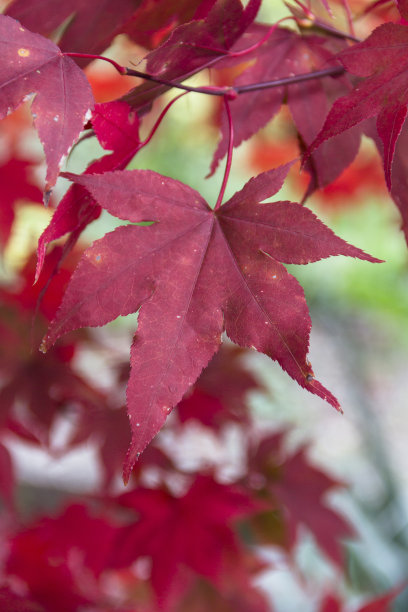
(381, 61)
(207, 40)
(116, 126)
(63, 97)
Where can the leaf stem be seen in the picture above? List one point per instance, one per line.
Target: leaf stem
(298, 78)
(214, 91)
(233, 92)
(260, 42)
(121, 69)
(227, 92)
(229, 154)
(160, 118)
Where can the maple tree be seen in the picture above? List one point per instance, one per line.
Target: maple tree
(191, 269)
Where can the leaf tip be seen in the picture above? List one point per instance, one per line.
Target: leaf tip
(47, 196)
(131, 458)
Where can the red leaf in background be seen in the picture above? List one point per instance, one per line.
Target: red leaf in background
(206, 39)
(15, 186)
(35, 390)
(194, 274)
(299, 489)
(330, 604)
(399, 187)
(109, 430)
(382, 603)
(381, 61)
(219, 395)
(364, 176)
(184, 535)
(28, 298)
(286, 54)
(155, 19)
(63, 97)
(116, 126)
(90, 25)
(60, 559)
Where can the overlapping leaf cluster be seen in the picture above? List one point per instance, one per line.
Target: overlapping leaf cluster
(194, 271)
(164, 547)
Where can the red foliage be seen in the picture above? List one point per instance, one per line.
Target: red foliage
(178, 541)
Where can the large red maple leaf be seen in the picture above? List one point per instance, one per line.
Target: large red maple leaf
(63, 96)
(194, 273)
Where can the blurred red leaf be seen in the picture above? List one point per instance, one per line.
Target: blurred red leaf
(220, 394)
(15, 186)
(298, 489)
(60, 559)
(185, 534)
(154, 20)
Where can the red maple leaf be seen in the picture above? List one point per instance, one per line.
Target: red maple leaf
(194, 273)
(206, 39)
(298, 489)
(109, 431)
(34, 390)
(183, 536)
(382, 603)
(399, 186)
(63, 97)
(286, 54)
(155, 19)
(59, 560)
(380, 61)
(89, 25)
